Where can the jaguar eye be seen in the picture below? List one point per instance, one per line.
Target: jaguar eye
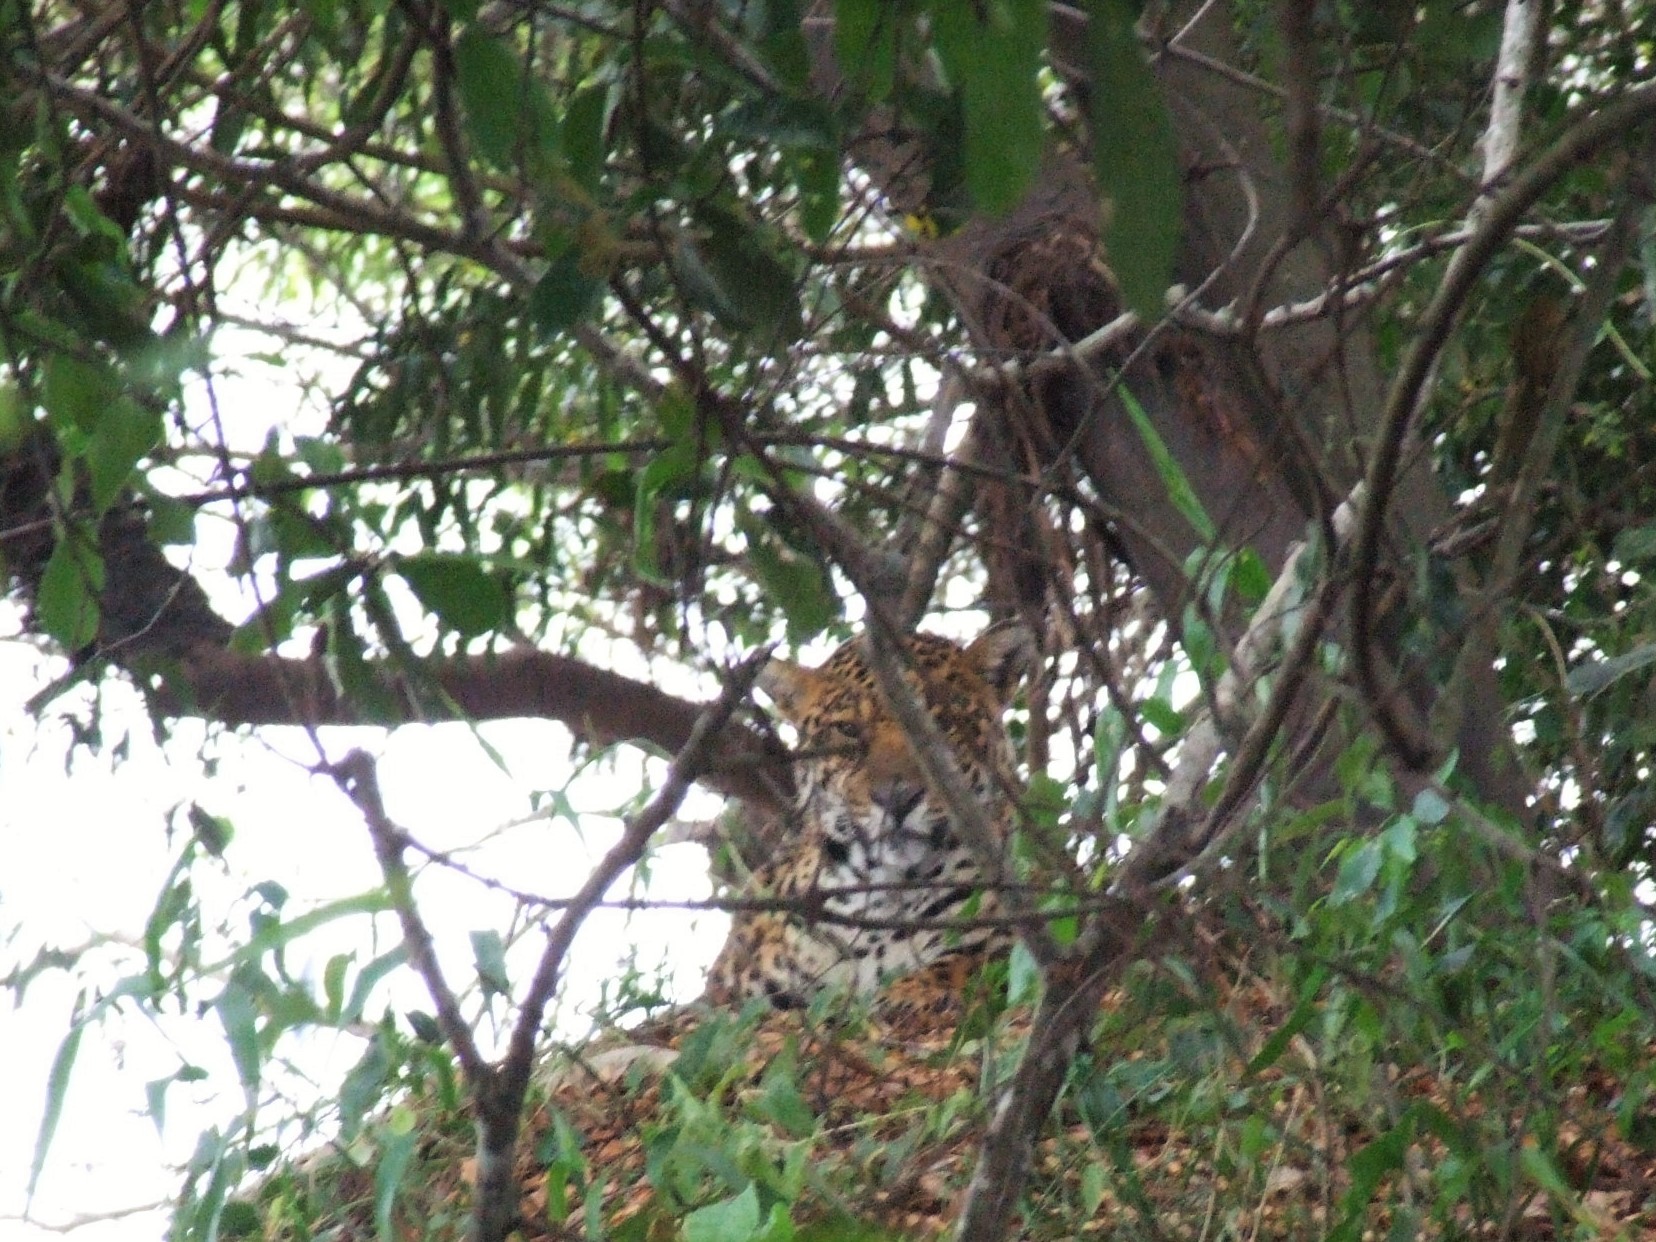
(843, 733)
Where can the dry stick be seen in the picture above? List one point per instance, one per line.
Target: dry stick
(498, 1090)
(357, 776)
(1635, 108)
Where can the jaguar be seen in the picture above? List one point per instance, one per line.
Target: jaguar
(873, 869)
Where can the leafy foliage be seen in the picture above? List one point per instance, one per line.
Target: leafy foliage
(642, 336)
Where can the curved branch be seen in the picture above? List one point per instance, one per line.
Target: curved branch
(1610, 124)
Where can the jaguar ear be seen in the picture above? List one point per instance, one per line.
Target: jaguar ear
(1004, 653)
(786, 684)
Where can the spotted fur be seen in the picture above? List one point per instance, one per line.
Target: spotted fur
(870, 842)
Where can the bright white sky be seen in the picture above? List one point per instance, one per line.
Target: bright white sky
(84, 853)
(83, 856)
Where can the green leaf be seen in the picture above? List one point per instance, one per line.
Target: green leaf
(333, 984)
(239, 1014)
(1358, 870)
(66, 605)
(1168, 720)
(1135, 159)
(273, 936)
(818, 175)
(508, 112)
(583, 135)
(1305, 1009)
(364, 1085)
(371, 974)
(799, 583)
(731, 1220)
(1172, 475)
(489, 956)
(992, 53)
(457, 590)
(1541, 1169)
(76, 391)
(213, 831)
(564, 294)
(155, 1100)
(14, 419)
(1366, 1168)
(398, 1149)
(865, 45)
(1430, 808)
(780, 1102)
(732, 272)
(57, 1087)
(1586, 679)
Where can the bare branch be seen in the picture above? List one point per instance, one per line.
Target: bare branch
(495, 1206)
(1583, 140)
(357, 776)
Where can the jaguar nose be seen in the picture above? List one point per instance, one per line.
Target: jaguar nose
(897, 797)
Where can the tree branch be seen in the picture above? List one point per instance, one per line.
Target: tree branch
(500, 1104)
(1635, 108)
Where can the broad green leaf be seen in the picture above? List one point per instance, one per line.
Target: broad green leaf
(371, 974)
(818, 176)
(1637, 543)
(1135, 159)
(395, 1154)
(57, 1087)
(333, 984)
(1586, 679)
(564, 294)
(155, 1101)
(583, 135)
(992, 53)
(732, 272)
(508, 112)
(778, 1226)
(14, 419)
(239, 1014)
(77, 392)
(865, 45)
(273, 936)
(66, 605)
(489, 956)
(1541, 1169)
(1163, 715)
(731, 1220)
(214, 832)
(363, 1087)
(457, 590)
(1358, 869)
(798, 583)
(1366, 1168)
(780, 1102)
